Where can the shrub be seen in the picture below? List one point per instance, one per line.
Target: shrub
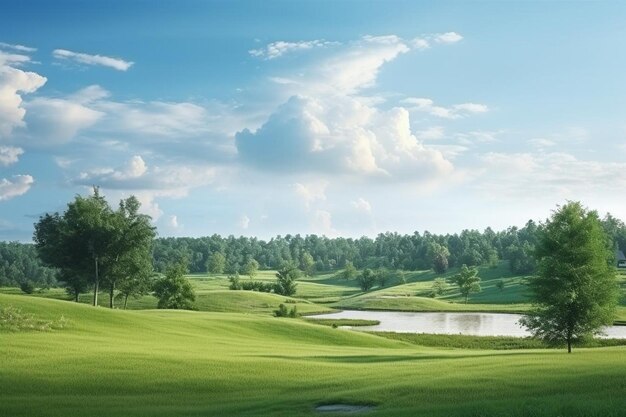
(27, 287)
(283, 311)
(234, 282)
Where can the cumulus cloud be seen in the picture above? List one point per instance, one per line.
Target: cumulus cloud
(342, 135)
(9, 155)
(432, 133)
(87, 59)
(18, 185)
(13, 83)
(280, 48)
(173, 222)
(456, 111)
(322, 223)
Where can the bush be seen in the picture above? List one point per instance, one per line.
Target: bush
(283, 311)
(234, 282)
(27, 287)
(259, 286)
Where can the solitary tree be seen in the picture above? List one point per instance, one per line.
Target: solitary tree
(439, 255)
(307, 264)
(286, 279)
(439, 286)
(367, 279)
(575, 291)
(251, 268)
(174, 290)
(468, 281)
(500, 285)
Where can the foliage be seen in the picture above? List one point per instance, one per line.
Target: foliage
(349, 272)
(14, 320)
(307, 264)
(439, 257)
(575, 291)
(27, 287)
(439, 286)
(366, 280)
(251, 268)
(20, 262)
(217, 263)
(235, 283)
(283, 311)
(500, 285)
(259, 286)
(286, 279)
(174, 291)
(468, 281)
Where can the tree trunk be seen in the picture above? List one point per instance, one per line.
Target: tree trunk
(96, 285)
(76, 296)
(111, 293)
(569, 344)
(125, 301)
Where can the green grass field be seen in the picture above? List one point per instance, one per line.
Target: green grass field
(180, 363)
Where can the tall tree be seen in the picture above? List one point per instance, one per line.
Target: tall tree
(307, 264)
(286, 279)
(251, 268)
(174, 291)
(575, 291)
(467, 280)
(217, 263)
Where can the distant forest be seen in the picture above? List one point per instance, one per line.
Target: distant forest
(19, 262)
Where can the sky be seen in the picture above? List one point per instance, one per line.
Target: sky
(344, 118)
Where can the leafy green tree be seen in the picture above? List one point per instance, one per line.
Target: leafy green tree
(382, 276)
(27, 287)
(439, 255)
(286, 279)
(235, 283)
(349, 272)
(307, 264)
(136, 285)
(468, 281)
(251, 268)
(217, 263)
(500, 285)
(439, 286)
(174, 291)
(575, 291)
(367, 279)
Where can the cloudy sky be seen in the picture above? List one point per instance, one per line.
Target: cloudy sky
(335, 118)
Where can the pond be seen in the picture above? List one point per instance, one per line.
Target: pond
(476, 324)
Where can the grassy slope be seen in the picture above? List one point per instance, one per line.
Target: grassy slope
(175, 363)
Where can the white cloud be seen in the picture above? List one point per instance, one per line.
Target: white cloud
(432, 133)
(14, 81)
(456, 111)
(541, 143)
(9, 155)
(553, 175)
(340, 135)
(362, 204)
(243, 222)
(173, 222)
(17, 47)
(322, 223)
(311, 192)
(14, 187)
(87, 59)
(280, 48)
(448, 37)
(420, 43)
(54, 120)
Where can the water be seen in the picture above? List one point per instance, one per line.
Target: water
(476, 324)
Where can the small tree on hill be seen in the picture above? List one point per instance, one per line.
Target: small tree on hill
(174, 290)
(468, 281)
(439, 255)
(439, 286)
(367, 279)
(500, 285)
(251, 268)
(286, 279)
(349, 272)
(575, 292)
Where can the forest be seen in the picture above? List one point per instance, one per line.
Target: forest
(19, 262)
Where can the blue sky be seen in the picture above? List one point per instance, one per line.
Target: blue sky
(337, 118)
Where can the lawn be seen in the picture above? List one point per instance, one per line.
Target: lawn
(179, 363)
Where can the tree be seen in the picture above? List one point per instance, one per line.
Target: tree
(367, 279)
(307, 264)
(382, 276)
(349, 272)
(251, 268)
(217, 263)
(500, 285)
(439, 255)
(286, 279)
(467, 280)
(439, 286)
(575, 291)
(174, 291)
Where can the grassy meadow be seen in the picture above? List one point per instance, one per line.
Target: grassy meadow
(181, 363)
